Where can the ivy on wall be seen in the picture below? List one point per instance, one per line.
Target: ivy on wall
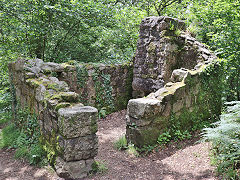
(103, 99)
(103, 88)
(82, 75)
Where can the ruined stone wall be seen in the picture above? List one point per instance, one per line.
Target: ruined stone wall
(68, 128)
(107, 87)
(55, 92)
(183, 77)
(162, 47)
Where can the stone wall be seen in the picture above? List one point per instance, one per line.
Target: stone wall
(68, 128)
(107, 87)
(183, 76)
(162, 47)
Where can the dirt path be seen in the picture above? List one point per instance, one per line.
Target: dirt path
(191, 162)
(11, 169)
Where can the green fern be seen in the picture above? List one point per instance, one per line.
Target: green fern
(225, 138)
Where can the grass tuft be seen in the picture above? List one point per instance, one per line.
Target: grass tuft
(121, 143)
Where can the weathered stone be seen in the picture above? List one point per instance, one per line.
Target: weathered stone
(178, 75)
(162, 52)
(40, 92)
(143, 107)
(177, 106)
(77, 121)
(51, 67)
(18, 65)
(34, 70)
(61, 105)
(71, 170)
(72, 131)
(30, 75)
(111, 81)
(66, 96)
(79, 148)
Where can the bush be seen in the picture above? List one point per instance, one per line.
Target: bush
(225, 138)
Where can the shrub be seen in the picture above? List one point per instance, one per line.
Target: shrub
(225, 138)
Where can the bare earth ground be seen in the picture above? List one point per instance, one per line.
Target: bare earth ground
(179, 161)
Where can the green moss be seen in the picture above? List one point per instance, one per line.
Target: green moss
(172, 89)
(71, 62)
(94, 128)
(65, 96)
(53, 86)
(121, 101)
(62, 105)
(67, 67)
(151, 49)
(47, 71)
(51, 146)
(150, 136)
(34, 82)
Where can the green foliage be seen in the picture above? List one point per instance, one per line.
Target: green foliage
(99, 167)
(121, 143)
(24, 136)
(5, 117)
(146, 149)
(225, 138)
(218, 25)
(173, 134)
(102, 113)
(21, 152)
(82, 75)
(89, 31)
(181, 135)
(6, 97)
(103, 88)
(164, 138)
(9, 136)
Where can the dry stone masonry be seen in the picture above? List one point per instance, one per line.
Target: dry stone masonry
(178, 77)
(175, 76)
(55, 92)
(103, 86)
(163, 47)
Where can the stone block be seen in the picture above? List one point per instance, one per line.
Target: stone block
(79, 148)
(77, 121)
(143, 107)
(72, 170)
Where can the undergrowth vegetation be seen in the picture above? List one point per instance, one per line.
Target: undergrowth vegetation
(23, 134)
(225, 138)
(99, 167)
(122, 144)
